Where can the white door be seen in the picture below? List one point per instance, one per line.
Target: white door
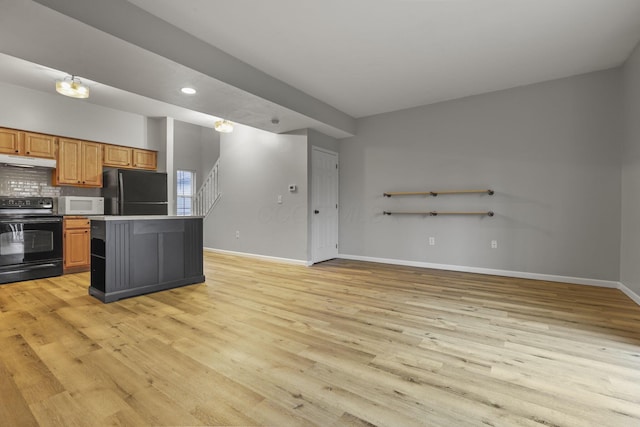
(324, 204)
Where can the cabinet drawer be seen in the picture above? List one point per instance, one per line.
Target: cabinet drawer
(76, 223)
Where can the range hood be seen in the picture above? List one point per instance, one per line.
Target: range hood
(27, 162)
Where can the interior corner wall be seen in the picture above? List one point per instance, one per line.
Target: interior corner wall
(187, 148)
(255, 168)
(51, 113)
(630, 247)
(210, 143)
(550, 151)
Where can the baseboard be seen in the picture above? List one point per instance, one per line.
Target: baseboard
(628, 292)
(461, 268)
(489, 271)
(256, 256)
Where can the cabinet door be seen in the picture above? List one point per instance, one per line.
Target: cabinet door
(68, 170)
(91, 165)
(77, 248)
(38, 145)
(145, 159)
(10, 141)
(116, 156)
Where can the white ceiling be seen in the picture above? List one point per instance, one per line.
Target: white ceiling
(307, 63)
(373, 56)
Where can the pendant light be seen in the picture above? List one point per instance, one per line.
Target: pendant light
(72, 86)
(224, 126)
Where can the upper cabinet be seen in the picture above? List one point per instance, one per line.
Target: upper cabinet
(145, 159)
(116, 156)
(79, 163)
(10, 141)
(38, 145)
(126, 157)
(27, 144)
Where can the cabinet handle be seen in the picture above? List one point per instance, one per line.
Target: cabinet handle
(86, 231)
(17, 151)
(28, 152)
(78, 182)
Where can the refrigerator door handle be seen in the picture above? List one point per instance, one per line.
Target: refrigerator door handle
(121, 189)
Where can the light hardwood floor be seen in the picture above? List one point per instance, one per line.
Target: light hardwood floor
(340, 343)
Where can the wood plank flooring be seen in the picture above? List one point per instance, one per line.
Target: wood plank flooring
(342, 343)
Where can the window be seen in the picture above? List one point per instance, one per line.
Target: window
(185, 191)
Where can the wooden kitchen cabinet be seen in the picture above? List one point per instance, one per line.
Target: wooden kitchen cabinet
(79, 163)
(11, 141)
(31, 144)
(116, 156)
(77, 244)
(39, 145)
(145, 159)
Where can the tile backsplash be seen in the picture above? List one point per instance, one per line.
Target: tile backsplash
(34, 182)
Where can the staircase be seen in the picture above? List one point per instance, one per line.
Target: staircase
(208, 194)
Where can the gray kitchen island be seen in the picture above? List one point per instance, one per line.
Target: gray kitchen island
(135, 255)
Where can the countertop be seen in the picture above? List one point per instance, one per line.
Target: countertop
(139, 217)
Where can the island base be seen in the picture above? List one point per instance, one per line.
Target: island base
(107, 297)
(136, 256)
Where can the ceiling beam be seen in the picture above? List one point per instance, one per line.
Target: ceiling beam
(133, 25)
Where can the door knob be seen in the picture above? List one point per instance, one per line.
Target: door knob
(316, 211)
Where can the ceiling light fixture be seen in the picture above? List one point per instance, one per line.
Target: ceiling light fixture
(224, 126)
(72, 86)
(188, 90)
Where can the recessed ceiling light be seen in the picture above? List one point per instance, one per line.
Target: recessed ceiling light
(188, 90)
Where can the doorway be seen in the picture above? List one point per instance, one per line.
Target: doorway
(324, 205)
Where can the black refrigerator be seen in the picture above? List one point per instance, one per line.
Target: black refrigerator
(134, 192)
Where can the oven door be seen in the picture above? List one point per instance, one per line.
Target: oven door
(30, 240)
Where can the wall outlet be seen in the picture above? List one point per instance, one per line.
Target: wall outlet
(279, 199)
(494, 244)
(432, 241)
(237, 234)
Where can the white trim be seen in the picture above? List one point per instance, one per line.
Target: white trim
(461, 268)
(256, 256)
(628, 292)
(490, 271)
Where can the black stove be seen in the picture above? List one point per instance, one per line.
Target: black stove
(30, 239)
(11, 206)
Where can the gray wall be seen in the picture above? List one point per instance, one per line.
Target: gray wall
(55, 114)
(210, 150)
(255, 167)
(629, 265)
(196, 149)
(551, 152)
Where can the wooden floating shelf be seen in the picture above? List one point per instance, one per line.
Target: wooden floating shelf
(434, 213)
(435, 193)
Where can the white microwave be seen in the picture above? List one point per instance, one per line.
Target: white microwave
(80, 205)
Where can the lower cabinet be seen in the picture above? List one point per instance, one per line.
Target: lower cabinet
(131, 257)
(77, 244)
